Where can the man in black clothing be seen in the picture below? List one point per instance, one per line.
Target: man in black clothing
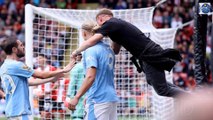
(153, 60)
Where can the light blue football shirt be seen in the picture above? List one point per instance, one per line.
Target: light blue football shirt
(102, 58)
(14, 75)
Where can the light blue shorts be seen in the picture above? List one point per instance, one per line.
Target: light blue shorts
(102, 111)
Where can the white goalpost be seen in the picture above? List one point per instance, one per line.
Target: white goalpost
(55, 33)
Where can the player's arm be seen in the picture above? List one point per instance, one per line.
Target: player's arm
(88, 43)
(33, 82)
(88, 81)
(49, 74)
(46, 74)
(115, 47)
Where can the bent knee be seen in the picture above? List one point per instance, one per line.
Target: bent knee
(162, 91)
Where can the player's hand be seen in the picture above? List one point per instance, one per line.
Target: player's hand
(67, 102)
(58, 77)
(70, 65)
(73, 103)
(74, 54)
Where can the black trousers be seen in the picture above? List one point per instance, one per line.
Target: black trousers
(156, 78)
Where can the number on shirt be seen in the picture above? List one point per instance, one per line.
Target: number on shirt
(11, 83)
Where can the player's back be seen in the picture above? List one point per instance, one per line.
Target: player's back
(14, 76)
(125, 34)
(102, 58)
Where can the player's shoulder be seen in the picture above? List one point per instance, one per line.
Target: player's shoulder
(111, 21)
(18, 66)
(13, 64)
(92, 49)
(23, 66)
(97, 48)
(115, 20)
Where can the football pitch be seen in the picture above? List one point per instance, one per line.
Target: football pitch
(119, 118)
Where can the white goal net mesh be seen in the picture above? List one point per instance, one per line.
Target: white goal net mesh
(54, 33)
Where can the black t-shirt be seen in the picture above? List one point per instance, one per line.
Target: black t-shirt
(125, 34)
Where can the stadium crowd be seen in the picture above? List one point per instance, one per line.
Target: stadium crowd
(170, 14)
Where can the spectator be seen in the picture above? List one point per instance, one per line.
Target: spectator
(121, 5)
(158, 19)
(44, 4)
(60, 4)
(12, 7)
(111, 4)
(176, 21)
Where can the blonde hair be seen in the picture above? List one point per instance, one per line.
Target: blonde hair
(90, 26)
(104, 11)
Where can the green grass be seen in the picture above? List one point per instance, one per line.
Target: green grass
(119, 118)
(1, 118)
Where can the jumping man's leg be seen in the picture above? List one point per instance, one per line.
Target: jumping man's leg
(157, 79)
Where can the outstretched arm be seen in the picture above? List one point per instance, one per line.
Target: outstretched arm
(88, 43)
(49, 74)
(33, 82)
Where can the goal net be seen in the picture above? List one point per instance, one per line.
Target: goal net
(55, 33)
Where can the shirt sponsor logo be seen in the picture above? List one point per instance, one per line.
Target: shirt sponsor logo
(25, 67)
